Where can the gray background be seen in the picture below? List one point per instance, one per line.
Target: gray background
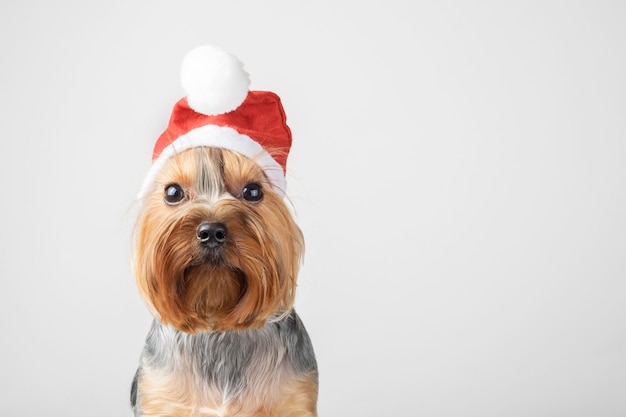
(458, 171)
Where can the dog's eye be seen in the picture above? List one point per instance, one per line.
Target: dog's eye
(174, 194)
(252, 192)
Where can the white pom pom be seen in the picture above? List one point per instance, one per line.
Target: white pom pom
(213, 80)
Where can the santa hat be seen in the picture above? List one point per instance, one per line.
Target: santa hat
(219, 111)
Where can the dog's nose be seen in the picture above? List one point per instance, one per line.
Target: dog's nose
(211, 234)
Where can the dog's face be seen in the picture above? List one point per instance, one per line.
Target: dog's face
(217, 248)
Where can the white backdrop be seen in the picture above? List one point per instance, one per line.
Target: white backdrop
(458, 170)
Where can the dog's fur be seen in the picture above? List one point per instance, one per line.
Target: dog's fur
(225, 340)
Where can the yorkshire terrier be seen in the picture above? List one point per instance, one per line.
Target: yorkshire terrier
(217, 257)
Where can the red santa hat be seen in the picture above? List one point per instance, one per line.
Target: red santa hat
(219, 111)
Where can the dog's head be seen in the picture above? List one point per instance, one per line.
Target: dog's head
(217, 247)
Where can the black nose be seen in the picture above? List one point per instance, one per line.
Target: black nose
(211, 234)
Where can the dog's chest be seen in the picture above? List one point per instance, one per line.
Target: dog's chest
(226, 362)
(215, 374)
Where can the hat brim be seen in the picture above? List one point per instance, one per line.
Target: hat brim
(218, 137)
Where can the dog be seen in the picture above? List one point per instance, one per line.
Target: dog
(217, 255)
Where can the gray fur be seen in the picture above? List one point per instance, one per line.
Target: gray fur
(230, 361)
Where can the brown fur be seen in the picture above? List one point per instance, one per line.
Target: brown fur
(256, 275)
(251, 279)
(172, 394)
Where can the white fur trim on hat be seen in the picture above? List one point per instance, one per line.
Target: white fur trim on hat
(218, 137)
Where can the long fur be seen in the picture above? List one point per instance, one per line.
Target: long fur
(225, 340)
(257, 274)
(248, 372)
